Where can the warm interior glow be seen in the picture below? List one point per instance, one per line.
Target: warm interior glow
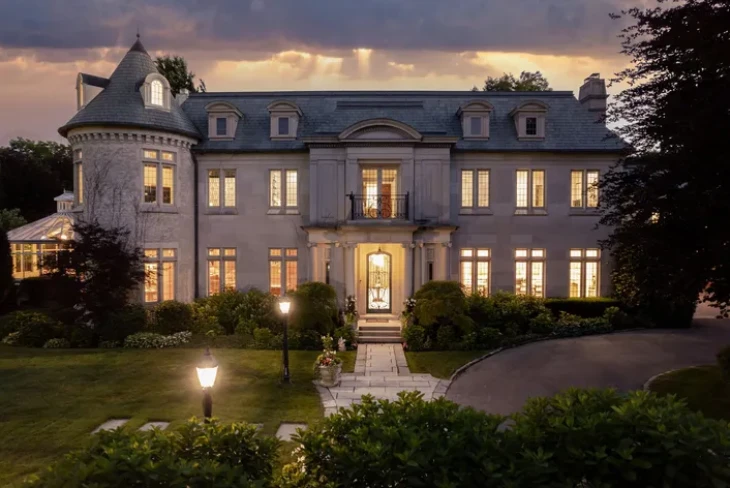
(379, 260)
(206, 376)
(284, 305)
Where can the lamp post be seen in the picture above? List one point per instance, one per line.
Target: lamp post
(284, 305)
(207, 370)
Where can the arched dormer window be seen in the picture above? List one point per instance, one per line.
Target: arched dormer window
(285, 117)
(223, 120)
(475, 119)
(156, 92)
(529, 117)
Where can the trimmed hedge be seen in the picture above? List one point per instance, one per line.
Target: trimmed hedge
(584, 307)
(31, 329)
(171, 316)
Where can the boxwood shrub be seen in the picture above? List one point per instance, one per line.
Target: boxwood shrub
(171, 316)
(584, 307)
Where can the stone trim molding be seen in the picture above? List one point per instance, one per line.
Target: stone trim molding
(99, 134)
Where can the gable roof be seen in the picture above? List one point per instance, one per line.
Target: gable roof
(120, 104)
(569, 127)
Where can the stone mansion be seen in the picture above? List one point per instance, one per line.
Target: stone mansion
(375, 193)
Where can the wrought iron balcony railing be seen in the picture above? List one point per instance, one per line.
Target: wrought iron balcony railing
(383, 207)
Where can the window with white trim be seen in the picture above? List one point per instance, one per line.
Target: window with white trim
(156, 93)
(474, 188)
(530, 272)
(221, 269)
(160, 267)
(474, 270)
(283, 189)
(584, 188)
(79, 176)
(529, 190)
(158, 177)
(584, 273)
(283, 270)
(221, 194)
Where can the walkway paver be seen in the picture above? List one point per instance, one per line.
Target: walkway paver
(110, 424)
(381, 371)
(502, 383)
(154, 425)
(287, 430)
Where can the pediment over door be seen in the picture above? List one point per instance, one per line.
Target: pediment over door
(380, 130)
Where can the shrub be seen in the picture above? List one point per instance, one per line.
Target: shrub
(439, 303)
(57, 344)
(347, 333)
(583, 307)
(490, 338)
(120, 323)
(258, 309)
(6, 268)
(31, 329)
(223, 306)
(151, 340)
(723, 361)
(446, 337)
(621, 320)
(204, 317)
(573, 326)
(80, 335)
(308, 340)
(171, 316)
(415, 338)
(263, 338)
(542, 324)
(12, 339)
(213, 455)
(314, 307)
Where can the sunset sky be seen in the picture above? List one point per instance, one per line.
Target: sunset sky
(250, 45)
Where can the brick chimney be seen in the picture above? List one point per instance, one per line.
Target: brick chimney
(592, 95)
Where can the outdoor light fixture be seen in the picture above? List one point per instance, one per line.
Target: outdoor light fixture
(284, 306)
(379, 259)
(207, 371)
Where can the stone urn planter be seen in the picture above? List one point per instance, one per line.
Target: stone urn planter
(329, 376)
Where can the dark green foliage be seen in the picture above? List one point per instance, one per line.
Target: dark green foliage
(439, 302)
(6, 269)
(723, 361)
(175, 70)
(195, 454)
(414, 337)
(577, 438)
(11, 219)
(32, 329)
(489, 338)
(314, 307)
(223, 307)
(585, 307)
(346, 332)
(543, 323)
(122, 322)
(170, 316)
(527, 81)
(259, 309)
(666, 202)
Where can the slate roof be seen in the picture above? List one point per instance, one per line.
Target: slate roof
(94, 80)
(569, 126)
(121, 103)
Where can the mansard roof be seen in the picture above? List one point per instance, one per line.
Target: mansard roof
(120, 104)
(569, 127)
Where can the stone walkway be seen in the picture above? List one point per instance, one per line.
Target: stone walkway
(381, 371)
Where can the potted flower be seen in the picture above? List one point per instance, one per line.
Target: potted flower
(328, 366)
(406, 315)
(350, 311)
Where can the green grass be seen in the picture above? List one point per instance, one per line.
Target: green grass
(51, 400)
(440, 364)
(703, 388)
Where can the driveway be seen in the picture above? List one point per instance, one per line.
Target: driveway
(502, 383)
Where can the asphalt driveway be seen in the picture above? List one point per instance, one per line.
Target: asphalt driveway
(502, 383)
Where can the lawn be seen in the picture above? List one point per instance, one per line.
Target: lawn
(440, 364)
(52, 399)
(702, 387)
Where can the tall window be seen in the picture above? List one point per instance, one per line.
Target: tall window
(282, 270)
(530, 190)
(78, 156)
(584, 188)
(380, 190)
(158, 177)
(218, 193)
(160, 274)
(221, 269)
(474, 188)
(283, 188)
(531, 126)
(156, 91)
(283, 126)
(530, 272)
(584, 265)
(221, 126)
(474, 270)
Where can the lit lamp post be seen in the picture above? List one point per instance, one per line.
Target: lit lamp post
(284, 305)
(207, 371)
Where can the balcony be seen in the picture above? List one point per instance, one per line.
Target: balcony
(378, 207)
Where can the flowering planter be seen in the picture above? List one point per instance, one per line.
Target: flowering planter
(329, 376)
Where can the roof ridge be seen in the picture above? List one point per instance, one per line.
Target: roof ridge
(365, 93)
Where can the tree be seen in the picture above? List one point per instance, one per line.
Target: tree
(527, 81)
(667, 201)
(11, 219)
(175, 69)
(32, 174)
(6, 267)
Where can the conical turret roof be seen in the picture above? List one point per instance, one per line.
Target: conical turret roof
(121, 104)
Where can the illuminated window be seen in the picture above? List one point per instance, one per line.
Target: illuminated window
(214, 188)
(159, 179)
(229, 191)
(530, 190)
(221, 269)
(474, 270)
(283, 189)
(530, 272)
(471, 193)
(160, 274)
(79, 177)
(584, 266)
(283, 270)
(156, 93)
(380, 199)
(584, 188)
(225, 193)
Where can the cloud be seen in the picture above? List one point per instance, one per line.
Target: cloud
(580, 27)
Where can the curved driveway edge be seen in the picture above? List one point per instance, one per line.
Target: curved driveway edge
(503, 382)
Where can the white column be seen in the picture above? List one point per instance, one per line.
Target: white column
(408, 274)
(441, 264)
(350, 269)
(313, 270)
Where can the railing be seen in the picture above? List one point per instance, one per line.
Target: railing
(378, 207)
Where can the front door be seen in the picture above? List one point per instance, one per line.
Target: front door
(379, 282)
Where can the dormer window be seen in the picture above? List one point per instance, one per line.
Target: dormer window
(529, 120)
(475, 119)
(156, 92)
(285, 118)
(223, 120)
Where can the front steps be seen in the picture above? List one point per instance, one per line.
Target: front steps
(379, 329)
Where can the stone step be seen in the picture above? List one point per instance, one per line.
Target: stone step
(370, 328)
(380, 333)
(371, 339)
